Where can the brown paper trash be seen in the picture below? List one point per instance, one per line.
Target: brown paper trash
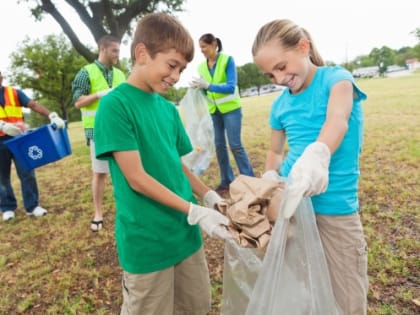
(252, 210)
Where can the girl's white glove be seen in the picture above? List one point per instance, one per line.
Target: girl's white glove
(309, 174)
(211, 221)
(271, 175)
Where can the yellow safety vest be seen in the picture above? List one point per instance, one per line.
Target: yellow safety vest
(98, 83)
(11, 112)
(223, 102)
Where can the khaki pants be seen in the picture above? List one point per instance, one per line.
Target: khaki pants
(98, 166)
(181, 289)
(346, 252)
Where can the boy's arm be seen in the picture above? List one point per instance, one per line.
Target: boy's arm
(132, 168)
(210, 220)
(198, 187)
(210, 197)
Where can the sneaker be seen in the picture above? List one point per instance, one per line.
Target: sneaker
(8, 215)
(38, 212)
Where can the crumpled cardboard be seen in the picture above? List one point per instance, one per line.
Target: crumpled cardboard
(252, 209)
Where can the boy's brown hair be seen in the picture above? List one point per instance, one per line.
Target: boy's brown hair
(160, 32)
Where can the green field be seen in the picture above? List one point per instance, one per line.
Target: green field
(56, 265)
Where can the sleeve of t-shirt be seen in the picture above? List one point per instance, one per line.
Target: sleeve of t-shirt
(113, 128)
(184, 145)
(275, 119)
(340, 74)
(23, 98)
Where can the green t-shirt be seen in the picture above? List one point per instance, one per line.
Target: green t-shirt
(149, 235)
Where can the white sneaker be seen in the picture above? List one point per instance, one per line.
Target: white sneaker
(38, 212)
(8, 215)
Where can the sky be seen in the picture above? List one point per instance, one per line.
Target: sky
(341, 30)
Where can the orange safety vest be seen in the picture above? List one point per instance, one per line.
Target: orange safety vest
(11, 111)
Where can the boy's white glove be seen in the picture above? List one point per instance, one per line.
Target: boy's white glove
(199, 83)
(10, 129)
(309, 174)
(271, 175)
(211, 199)
(102, 93)
(211, 221)
(55, 119)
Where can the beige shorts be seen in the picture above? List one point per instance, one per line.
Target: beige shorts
(346, 252)
(181, 289)
(98, 166)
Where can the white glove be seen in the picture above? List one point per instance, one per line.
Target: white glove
(309, 174)
(211, 221)
(199, 83)
(290, 200)
(271, 175)
(212, 198)
(102, 93)
(55, 119)
(10, 129)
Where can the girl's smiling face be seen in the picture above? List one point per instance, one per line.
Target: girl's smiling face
(288, 67)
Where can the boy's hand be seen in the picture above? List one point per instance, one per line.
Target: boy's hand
(211, 199)
(10, 129)
(211, 221)
(310, 171)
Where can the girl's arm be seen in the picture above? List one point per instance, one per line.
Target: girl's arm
(276, 151)
(130, 164)
(340, 104)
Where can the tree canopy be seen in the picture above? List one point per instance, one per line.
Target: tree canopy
(48, 67)
(114, 17)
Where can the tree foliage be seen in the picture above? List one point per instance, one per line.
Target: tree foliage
(115, 17)
(48, 67)
(250, 75)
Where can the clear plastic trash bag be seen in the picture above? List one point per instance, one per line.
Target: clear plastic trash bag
(199, 127)
(292, 277)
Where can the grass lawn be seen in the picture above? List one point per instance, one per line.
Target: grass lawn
(56, 265)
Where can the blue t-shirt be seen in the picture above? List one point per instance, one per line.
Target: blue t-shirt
(302, 116)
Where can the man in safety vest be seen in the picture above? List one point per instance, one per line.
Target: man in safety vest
(91, 83)
(12, 101)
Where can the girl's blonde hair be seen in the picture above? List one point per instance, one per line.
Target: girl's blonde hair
(160, 32)
(288, 34)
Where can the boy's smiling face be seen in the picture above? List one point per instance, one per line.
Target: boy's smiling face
(160, 72)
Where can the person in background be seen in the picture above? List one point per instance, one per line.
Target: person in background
(91, 83)
(12, 123)
(157, 228)
(218, 78)
(319, 115)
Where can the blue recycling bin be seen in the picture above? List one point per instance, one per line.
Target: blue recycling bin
(35, 148)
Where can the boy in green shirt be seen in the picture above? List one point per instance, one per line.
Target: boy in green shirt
(140, 133)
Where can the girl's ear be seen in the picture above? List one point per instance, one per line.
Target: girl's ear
(140, 53)
(304, 46)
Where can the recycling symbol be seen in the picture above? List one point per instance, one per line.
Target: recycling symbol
(34, 152)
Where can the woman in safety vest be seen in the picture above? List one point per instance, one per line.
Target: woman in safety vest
(218, 78)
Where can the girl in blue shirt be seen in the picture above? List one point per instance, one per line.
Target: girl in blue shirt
(319, 115)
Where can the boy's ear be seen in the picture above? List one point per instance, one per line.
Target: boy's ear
(140, 53)
(304, 46)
